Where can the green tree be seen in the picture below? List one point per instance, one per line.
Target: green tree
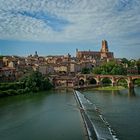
(125, 61)
(106, 81)
(33, 82)
(97, 70)
(138, 65)
(85, 71)
(111, 68)
(36, 81)
(1, 56)
(137, 82)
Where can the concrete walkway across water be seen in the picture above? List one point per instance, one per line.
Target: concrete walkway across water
(97, 127)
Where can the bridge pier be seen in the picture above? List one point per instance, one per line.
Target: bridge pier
(130, 85)
(113, 80)
(114, 84)
(98, 83)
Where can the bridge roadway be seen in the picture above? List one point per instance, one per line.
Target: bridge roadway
(84, 80)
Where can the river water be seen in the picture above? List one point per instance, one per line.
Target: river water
(55, 115)
(121, 109)
(41, 116)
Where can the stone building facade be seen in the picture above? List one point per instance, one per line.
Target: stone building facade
(103, 54)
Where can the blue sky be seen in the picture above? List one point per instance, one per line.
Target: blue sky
(60, 26)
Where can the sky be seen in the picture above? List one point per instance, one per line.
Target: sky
(57, 27)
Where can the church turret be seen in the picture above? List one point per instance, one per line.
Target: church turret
(35, 55)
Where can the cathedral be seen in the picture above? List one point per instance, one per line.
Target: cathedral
(103, 54)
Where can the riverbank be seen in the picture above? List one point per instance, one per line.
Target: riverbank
(111, 88)
(95, 87)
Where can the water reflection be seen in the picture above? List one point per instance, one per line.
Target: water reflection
(126, 92)
(131, 93)
(50, 115)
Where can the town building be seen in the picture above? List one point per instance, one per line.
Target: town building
(61, 65)
(1, 63)
(7, 74)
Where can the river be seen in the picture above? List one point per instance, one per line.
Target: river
(41, 116)
(55, 115)
(121, 109)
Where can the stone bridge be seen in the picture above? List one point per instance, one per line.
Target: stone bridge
(85, 80)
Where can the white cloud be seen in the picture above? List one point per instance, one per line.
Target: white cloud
(89, 20)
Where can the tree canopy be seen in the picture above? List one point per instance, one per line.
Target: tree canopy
(138, 65)
(111, 68)
(36, 81)
(85, 71)
(31, 83)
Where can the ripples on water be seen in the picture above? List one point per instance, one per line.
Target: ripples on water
(41, 116)
(55, 116)
(121, 109)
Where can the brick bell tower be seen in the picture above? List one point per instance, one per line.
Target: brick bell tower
(104, 48)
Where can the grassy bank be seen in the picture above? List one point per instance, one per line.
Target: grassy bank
(111, 88)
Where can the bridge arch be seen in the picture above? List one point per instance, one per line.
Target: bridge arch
(106, 81)
(122, 82)
(81, 79)
(81, 82)
(92, 81)
(136, 81)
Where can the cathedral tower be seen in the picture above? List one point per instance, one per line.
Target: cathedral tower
(104, 46)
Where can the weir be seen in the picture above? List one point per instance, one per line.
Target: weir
(97, 127)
